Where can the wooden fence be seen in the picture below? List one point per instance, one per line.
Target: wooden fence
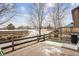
(34, 38)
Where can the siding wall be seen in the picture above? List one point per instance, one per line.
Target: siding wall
(75, 16)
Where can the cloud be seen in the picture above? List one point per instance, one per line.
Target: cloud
(22, 8)
(3, 19)
(73, 4)
(50, 4)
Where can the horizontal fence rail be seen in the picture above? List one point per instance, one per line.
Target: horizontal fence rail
(13, 42)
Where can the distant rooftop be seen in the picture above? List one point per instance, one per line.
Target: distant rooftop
(70, 25)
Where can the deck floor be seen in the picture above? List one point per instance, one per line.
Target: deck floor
(43, 49)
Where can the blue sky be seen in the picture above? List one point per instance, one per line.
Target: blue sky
(23, 8)
(22, 17)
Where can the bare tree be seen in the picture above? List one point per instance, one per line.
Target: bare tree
(58, 13)
(5, 10)
(38, 15)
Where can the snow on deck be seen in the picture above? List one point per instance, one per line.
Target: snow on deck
(43, 49)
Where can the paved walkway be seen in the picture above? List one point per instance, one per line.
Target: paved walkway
(44, 49)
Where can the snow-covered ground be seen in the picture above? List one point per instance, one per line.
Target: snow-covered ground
(35, 32)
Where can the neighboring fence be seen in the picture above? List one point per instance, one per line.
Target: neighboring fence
(34, 38)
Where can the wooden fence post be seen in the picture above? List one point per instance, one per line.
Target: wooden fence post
(37, 38)
(49, 36)
(44, 37)
(12, 44)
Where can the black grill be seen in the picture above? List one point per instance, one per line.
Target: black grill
(74, 39)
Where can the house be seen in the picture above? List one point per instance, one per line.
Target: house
(75, 16)
(74, 26)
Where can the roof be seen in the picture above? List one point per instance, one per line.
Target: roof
(69, 25)
(75, 8)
